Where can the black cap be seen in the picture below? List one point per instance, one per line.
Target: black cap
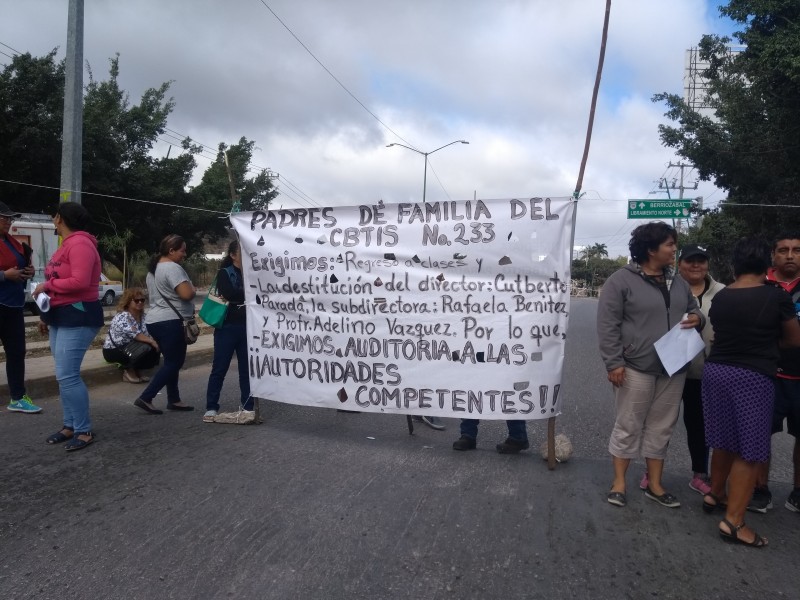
(691, 250)
(7, 212)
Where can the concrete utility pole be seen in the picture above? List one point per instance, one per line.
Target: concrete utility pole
(680, 187)
(72, 142)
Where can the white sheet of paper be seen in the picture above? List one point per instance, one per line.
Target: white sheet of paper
(677, 347)
(43, 302)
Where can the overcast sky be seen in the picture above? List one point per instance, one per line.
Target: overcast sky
(513, 77)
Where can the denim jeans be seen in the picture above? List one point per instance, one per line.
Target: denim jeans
(169, 335)
(230, 338)
(517, 429)
(12, 336)
(68, 346)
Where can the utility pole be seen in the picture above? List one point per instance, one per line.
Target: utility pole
(680, 187)
(72, 132)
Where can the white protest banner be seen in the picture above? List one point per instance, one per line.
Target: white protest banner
(455, 309)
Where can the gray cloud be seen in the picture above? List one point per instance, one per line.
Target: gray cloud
(514, 78)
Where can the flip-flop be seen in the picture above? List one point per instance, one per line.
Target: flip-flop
(617, 499)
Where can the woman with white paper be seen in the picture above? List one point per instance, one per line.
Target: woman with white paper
(639, 304)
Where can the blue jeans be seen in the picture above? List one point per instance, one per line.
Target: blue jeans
(169, 335)
(516, 429)
(68, 346)
(12, 336)
(228, 339)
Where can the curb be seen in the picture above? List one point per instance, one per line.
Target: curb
(99, 374)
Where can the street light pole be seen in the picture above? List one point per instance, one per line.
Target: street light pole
(425, 154)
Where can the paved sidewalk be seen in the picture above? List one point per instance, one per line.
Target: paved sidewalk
(40, 379)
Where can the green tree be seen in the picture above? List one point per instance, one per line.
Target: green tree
(117, 161)
(749, 146)
(214, 190)
(31, 116)
(594, 251)
(593, 266)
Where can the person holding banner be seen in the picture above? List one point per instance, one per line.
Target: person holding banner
(516, 441)
(231, 336)
(639, 304)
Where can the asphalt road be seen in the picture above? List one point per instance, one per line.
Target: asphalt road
(317, 504)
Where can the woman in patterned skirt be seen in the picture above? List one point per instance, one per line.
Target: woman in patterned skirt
(749, 319)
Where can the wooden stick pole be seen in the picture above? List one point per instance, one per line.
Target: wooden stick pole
(551, 422)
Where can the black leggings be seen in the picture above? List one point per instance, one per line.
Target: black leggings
(695, 425)
(12, 336)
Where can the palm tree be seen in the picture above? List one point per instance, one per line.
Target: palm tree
(594, 251)
(599, 250)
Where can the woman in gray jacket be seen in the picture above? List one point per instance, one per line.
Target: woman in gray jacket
(639, 304)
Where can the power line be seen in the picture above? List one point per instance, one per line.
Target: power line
(336, 79)
(48, 187)
(349, 93)
(10, 48)
(253, 168)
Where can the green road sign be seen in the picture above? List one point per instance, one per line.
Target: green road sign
(659, 209)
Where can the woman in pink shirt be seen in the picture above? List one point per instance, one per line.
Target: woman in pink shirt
(74, 318)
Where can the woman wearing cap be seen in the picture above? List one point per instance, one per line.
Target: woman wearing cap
(693, 267)
(15, 270)
(73, 320)
(640, 303)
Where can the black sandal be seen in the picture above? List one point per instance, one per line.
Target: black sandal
(733, 536)
(709, 508)
(59, 437)
(78, 444)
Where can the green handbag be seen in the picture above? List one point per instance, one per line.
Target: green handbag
(214, 308)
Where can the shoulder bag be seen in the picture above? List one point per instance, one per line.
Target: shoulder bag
(134, 349)
(215, 307)
(191, 330)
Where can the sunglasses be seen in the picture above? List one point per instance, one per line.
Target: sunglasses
(139, 300)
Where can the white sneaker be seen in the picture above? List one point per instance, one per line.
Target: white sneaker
(209, 416)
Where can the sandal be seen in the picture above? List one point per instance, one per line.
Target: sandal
(665, 499)
(78, 444)
(617, 499)
(733, 536)
(60, 437)
(709, 508)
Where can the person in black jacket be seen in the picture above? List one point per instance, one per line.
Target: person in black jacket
(231, 336)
